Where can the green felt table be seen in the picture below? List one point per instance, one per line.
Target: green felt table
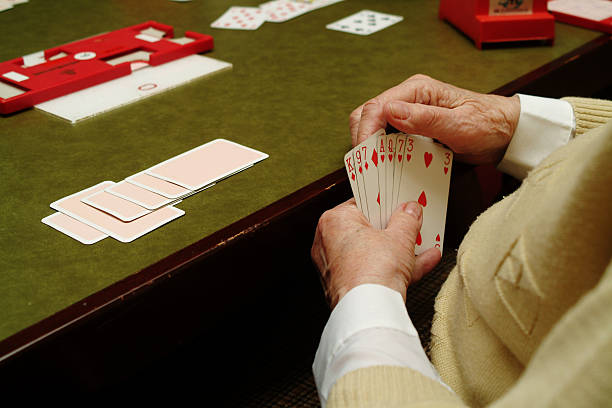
(289, 94)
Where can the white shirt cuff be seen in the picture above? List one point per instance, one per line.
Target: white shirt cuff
(370, 326)
(544, 125)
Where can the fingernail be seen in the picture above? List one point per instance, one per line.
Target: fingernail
(414, 209)
(398, 111)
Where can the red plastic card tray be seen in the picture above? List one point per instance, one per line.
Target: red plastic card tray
(495, 21)
(33, 79)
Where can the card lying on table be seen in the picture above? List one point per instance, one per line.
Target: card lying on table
(365, 22)
(206, 164)
(387, 170)
(106, 223)
(139, 195)
(159, 186)
(74, 228)
(116, 206)
(241, 18)
(279, 11)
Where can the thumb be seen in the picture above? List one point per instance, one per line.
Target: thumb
(425, 120)
(405, 223)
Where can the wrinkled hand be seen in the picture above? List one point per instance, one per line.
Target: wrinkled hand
(349, 252)
(477, 127)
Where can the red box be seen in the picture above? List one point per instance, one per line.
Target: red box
(477, 20)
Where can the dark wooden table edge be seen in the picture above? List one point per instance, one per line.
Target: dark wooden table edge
(131, 285)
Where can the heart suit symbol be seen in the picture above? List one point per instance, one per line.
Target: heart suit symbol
(428, 158)
(423, 199)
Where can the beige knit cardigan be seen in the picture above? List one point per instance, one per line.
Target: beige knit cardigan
(525, 318)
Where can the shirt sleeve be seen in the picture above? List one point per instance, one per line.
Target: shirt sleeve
(544, 125)
(368, 327)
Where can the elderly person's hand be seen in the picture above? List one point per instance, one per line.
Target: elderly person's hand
(349, 252)
(477, 127)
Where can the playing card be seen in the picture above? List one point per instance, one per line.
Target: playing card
(159, 186)
(358, 163)
(351, 171)
(241, 18)
(426, 179)
(139, 195)
(123, 209)
(74, 228)
(382, 177)
(367, 160)
(389, 149)
(414, 168)
(106, 223)
(279, 11)
(316, 4)
(365, 22)
(206, 164)
(401, 157)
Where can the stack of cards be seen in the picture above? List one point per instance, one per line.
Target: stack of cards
(145, 201)
(276, 11)
(387, 170)
(365, 22)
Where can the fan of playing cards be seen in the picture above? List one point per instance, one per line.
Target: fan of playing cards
(386, 170)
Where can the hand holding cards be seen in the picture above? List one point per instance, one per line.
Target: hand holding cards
(386, 170)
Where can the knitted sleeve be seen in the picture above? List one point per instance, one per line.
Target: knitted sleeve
(590, 113)
(389, 387)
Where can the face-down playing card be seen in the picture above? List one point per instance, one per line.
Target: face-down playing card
(116, 206)
(206, 164)
(158, 186)
(74, 228)
(106, 223)
(138, 195)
